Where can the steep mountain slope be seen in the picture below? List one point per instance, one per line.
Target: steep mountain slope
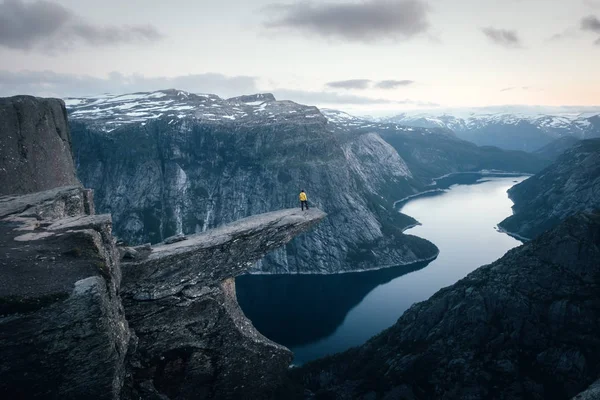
(555, 149)
(570, 185)
(171, 162)
(524, 327)
(513, 131)
(434, 152)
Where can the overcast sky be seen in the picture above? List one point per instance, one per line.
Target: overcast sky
(350, 54)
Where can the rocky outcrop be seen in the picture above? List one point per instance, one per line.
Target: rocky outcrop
(35, 145)
(194, 340)
(75, 322)
(189, 172)
(570, 185)
(63, 332)
(523, 327)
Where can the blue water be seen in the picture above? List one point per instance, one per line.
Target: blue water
(316, 315)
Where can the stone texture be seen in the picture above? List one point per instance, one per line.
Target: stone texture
(163, 179)
(570, 185)
(35, 145)
(524, 327)
(63, 333)
(194, 341)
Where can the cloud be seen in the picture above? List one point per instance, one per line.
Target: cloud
(319, 98)
(392, 84)
(569, 33)
(309, 97)
(50, 27)
(590, 23)
(350, 84)
(595, 4)
(362, 84)
(51, 84)
(502, 37)
(367, 21)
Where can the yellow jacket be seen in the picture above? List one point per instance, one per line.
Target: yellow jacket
(303, 196)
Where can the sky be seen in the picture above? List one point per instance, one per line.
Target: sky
(356, 55)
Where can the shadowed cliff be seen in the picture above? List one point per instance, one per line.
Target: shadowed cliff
(522, 327)
(35, 145)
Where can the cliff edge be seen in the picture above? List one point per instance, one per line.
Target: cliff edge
(35, 145)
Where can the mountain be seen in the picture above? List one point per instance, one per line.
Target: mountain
(523, 327)
(509, 130)
(171, 162)
(434, 152)
(81, 317)
(555, 149)
(42, 161)
(570, 185)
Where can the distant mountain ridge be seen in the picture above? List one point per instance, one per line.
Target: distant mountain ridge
(513, 131)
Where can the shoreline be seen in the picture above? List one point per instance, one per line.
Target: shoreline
(444, 187)
(512, 234)
(428, 259)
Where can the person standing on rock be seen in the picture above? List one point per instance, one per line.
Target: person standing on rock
(303, 200)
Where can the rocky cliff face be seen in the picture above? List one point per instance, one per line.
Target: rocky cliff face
(77, 322)
(432, 152)
(63, 332)
(186, 163)
(523, 327)
(194, 340)
(35, 145)
(570, 185)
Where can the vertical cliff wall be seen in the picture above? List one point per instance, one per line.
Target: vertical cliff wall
(35, 145)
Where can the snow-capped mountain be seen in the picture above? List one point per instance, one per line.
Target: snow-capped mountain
(351, 122)
(113, 111)
(515, 131)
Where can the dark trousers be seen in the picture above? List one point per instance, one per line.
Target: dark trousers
(304, 203)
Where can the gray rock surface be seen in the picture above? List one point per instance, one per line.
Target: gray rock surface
(35, 145)
(570, 185)
(194, 169)
(194, 341)
(64, 330)
(63, 333)
(75, 322)
(591, 393)
(523, 327)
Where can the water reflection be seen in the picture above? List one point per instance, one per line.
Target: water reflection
(316, 315)
(307, 308)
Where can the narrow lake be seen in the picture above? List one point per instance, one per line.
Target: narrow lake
(316, 315)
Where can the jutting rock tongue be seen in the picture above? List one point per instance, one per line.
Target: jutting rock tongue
(35, 145)
(65, 317)
(194, 341)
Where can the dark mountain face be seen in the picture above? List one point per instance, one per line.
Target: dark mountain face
(170, 162)
(570, 185)
(555, 149)
(35, 145)
(439, 154)
(183, 175)
(524, 327)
